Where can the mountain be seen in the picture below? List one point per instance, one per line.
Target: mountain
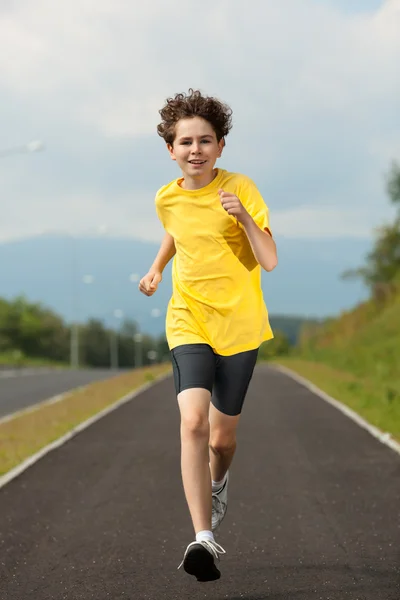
(55, 270)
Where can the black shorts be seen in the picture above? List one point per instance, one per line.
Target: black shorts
(225, 377)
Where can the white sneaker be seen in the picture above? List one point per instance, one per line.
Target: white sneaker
(199, 560)
(220, 504)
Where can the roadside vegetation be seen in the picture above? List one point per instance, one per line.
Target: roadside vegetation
(355, 357)
(31, 430)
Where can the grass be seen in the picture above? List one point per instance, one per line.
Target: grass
(17, 359)
(355, 359)
(377, 402)
(27, 433)
(364, 341)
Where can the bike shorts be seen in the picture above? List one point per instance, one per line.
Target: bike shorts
(227, 378)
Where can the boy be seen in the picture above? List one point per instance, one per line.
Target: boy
(217, 228)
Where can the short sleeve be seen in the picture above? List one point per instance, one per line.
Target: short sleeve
(159, 211)
(253, 202)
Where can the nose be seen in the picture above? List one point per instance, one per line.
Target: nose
(196, 148)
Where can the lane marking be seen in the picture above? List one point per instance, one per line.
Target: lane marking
(383, 436)
(31, 460)
(25, 372)
(33, 407)
(50, 400)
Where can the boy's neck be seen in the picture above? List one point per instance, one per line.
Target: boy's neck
(191, 183)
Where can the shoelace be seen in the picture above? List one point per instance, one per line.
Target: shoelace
(210, 545)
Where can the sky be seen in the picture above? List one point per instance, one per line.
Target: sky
(313, 85)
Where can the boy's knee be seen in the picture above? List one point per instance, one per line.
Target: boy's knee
(222, 442)
(195, 424)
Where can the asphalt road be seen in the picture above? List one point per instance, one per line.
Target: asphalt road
(313, 508)
(27, 388)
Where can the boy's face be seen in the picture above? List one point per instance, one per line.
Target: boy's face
(195, 147)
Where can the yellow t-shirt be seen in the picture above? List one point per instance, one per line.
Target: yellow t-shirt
(217, 297)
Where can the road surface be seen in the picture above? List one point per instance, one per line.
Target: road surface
(28, 388)
(313, 508)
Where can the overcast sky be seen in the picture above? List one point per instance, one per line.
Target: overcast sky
(314, 86)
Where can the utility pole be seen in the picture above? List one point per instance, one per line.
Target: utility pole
(138, 339)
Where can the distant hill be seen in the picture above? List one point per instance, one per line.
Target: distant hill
(306, 283)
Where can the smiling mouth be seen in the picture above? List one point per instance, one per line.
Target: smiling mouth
(197, 162)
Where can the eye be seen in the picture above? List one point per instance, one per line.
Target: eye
(205, 141)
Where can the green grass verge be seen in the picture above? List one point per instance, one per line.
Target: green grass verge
(17, 359)
(376, 402)
(27, 433)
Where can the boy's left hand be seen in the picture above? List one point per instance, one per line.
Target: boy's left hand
(233, 206)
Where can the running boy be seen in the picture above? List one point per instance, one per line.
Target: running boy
(217, 228)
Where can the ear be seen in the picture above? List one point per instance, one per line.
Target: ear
(170, 149)
(221, 145)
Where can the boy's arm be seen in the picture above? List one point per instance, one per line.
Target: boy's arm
(166, 252)
(149, 283)
(262, 244)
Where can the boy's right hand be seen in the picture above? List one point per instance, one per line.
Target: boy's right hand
(149, 283)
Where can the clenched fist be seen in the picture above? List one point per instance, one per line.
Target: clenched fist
(233, 206)
(149, 283)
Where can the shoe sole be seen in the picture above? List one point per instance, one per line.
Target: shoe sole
(200, 563)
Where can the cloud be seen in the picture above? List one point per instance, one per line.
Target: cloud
(309, 222)
(89, 215)
(314, 89)
(112, 63)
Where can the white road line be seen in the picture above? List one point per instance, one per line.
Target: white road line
(383, 436)
(10, 475)
(41, 403)
(33, 407)
(25, 372)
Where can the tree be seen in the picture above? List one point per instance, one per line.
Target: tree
(382, 269)
(393, 184)
(33, 330)
(95, 344)
(5, 342)
(278, 346)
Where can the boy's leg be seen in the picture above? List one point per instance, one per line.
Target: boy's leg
(222, 442)
(232, 379)
(195, 434)
(222, 449)
(194, 370)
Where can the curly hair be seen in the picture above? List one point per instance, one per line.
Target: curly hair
(194, 104)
